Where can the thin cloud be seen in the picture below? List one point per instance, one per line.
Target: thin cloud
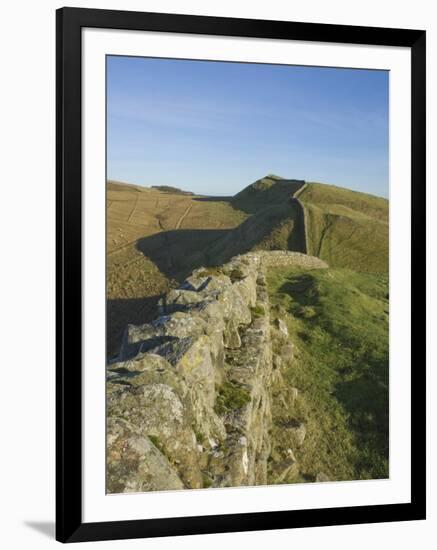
(190, 115)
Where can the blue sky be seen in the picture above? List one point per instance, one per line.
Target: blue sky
(215, 127)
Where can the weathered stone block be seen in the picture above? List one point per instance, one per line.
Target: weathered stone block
(134, 464)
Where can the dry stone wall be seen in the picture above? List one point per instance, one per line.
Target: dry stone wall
(188, 398)
(278, 258)
(304, 215)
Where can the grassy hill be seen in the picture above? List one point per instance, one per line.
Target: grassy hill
(332, 376)
(134, 212)
(155, 237)
(148, 230)
(171, 189)
(338, 322)
(347, 228)
(269, 191)
(343, 227)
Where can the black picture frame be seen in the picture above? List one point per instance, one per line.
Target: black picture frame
(69, 525)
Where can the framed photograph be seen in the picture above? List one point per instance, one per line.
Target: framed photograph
(240, 274)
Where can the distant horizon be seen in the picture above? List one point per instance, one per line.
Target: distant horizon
(212, 128)
(150, 186)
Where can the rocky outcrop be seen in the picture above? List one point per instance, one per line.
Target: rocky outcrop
(188, 398)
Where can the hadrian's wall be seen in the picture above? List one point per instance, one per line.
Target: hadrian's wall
(304, 215)
(188, 398)
(279, 258)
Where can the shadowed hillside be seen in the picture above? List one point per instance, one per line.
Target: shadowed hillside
(275, 227)
(268, 191)
(135, 214)
(156, 237)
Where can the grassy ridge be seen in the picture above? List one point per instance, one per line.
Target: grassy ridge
(338, 320)
(332, 196)
(156, 238)
(268, 191)
(351, 241)
(346, 228)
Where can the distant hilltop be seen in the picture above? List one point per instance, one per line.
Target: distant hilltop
(170, 189)
(345, 228)
(116, 185)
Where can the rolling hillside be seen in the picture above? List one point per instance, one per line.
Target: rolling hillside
(156, 237)
(337, 320)
(347, 228)
(150, 232)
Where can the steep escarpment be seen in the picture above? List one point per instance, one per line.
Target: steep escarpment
(189, 398)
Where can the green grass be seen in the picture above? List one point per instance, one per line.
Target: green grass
(155, 239)
(206, 481)
(158, 444)
(331, 196)
(231, 396)
(346, 228)
(257, 311)
(338, 320)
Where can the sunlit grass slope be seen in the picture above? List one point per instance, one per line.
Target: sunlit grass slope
(338, 321)
(347, 228)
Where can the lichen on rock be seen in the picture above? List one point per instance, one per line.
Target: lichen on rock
(189, 396)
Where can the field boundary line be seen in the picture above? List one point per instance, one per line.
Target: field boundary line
(181, 219)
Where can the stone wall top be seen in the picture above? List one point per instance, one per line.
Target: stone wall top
(188, 398)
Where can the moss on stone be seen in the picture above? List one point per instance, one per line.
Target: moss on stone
(231, 396)
(155, 440)
(206, 480)
(209, 272)
(199, 435)
(257, 311)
